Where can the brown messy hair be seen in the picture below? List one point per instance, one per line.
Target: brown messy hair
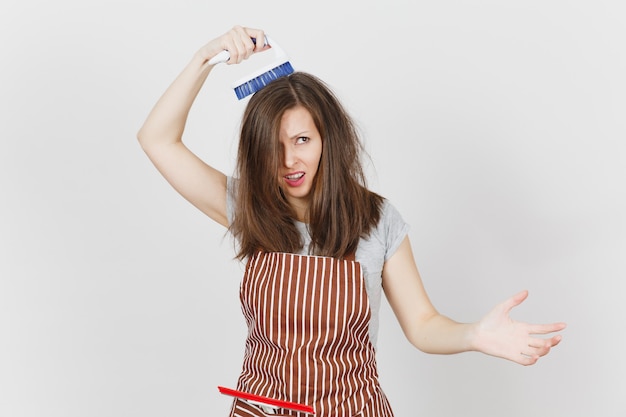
(341, 208)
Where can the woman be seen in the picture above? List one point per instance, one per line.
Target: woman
(319, 246)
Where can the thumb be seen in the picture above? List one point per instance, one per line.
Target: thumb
(515, 300)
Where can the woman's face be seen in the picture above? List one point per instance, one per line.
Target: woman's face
(301, 152)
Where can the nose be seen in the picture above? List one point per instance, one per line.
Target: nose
(289, 157)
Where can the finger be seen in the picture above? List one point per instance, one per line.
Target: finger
(527, 359)
(515, 300)
(540, 343)
(537, 343)
(259, 35)
(553, 341)
(244, 41)
(241, 45)
(542, 347)
(546, 328)
(556, 340)
(250, 41)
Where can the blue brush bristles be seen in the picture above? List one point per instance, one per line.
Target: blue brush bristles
(257, 83)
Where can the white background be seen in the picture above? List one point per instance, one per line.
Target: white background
(497, 129)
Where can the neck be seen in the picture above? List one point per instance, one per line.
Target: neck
(301, 214)
(301, 210)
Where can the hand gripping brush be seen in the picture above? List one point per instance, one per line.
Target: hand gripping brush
(280, 67)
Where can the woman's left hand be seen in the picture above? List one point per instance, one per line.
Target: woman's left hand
(498, 335)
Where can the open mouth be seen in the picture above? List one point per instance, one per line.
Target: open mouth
(294, 179)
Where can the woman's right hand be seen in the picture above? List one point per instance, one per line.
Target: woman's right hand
(239, 43)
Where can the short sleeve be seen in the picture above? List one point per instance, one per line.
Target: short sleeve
(231, 192)
(394, 229)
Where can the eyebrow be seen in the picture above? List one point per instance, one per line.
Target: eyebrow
(300, 134)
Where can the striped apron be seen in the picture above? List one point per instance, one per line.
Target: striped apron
(308, 337)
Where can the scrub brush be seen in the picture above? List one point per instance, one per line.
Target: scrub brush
(259, 79)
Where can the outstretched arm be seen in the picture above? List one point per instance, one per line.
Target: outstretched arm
(496, 334)
(161, 134)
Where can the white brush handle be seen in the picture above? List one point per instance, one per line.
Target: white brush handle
(220, 58)
(225, 55)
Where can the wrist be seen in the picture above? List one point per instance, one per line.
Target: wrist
(472, 337)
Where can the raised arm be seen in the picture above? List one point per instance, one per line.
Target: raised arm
(162, 132)
(496, 334)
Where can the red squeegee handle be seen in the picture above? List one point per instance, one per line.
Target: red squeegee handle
(266, 400)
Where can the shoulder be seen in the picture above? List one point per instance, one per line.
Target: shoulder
(389, 211)
(389, 232)
(390, 218)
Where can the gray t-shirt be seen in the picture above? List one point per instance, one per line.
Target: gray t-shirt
(372, 252)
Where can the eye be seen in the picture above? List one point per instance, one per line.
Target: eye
(302, 139)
